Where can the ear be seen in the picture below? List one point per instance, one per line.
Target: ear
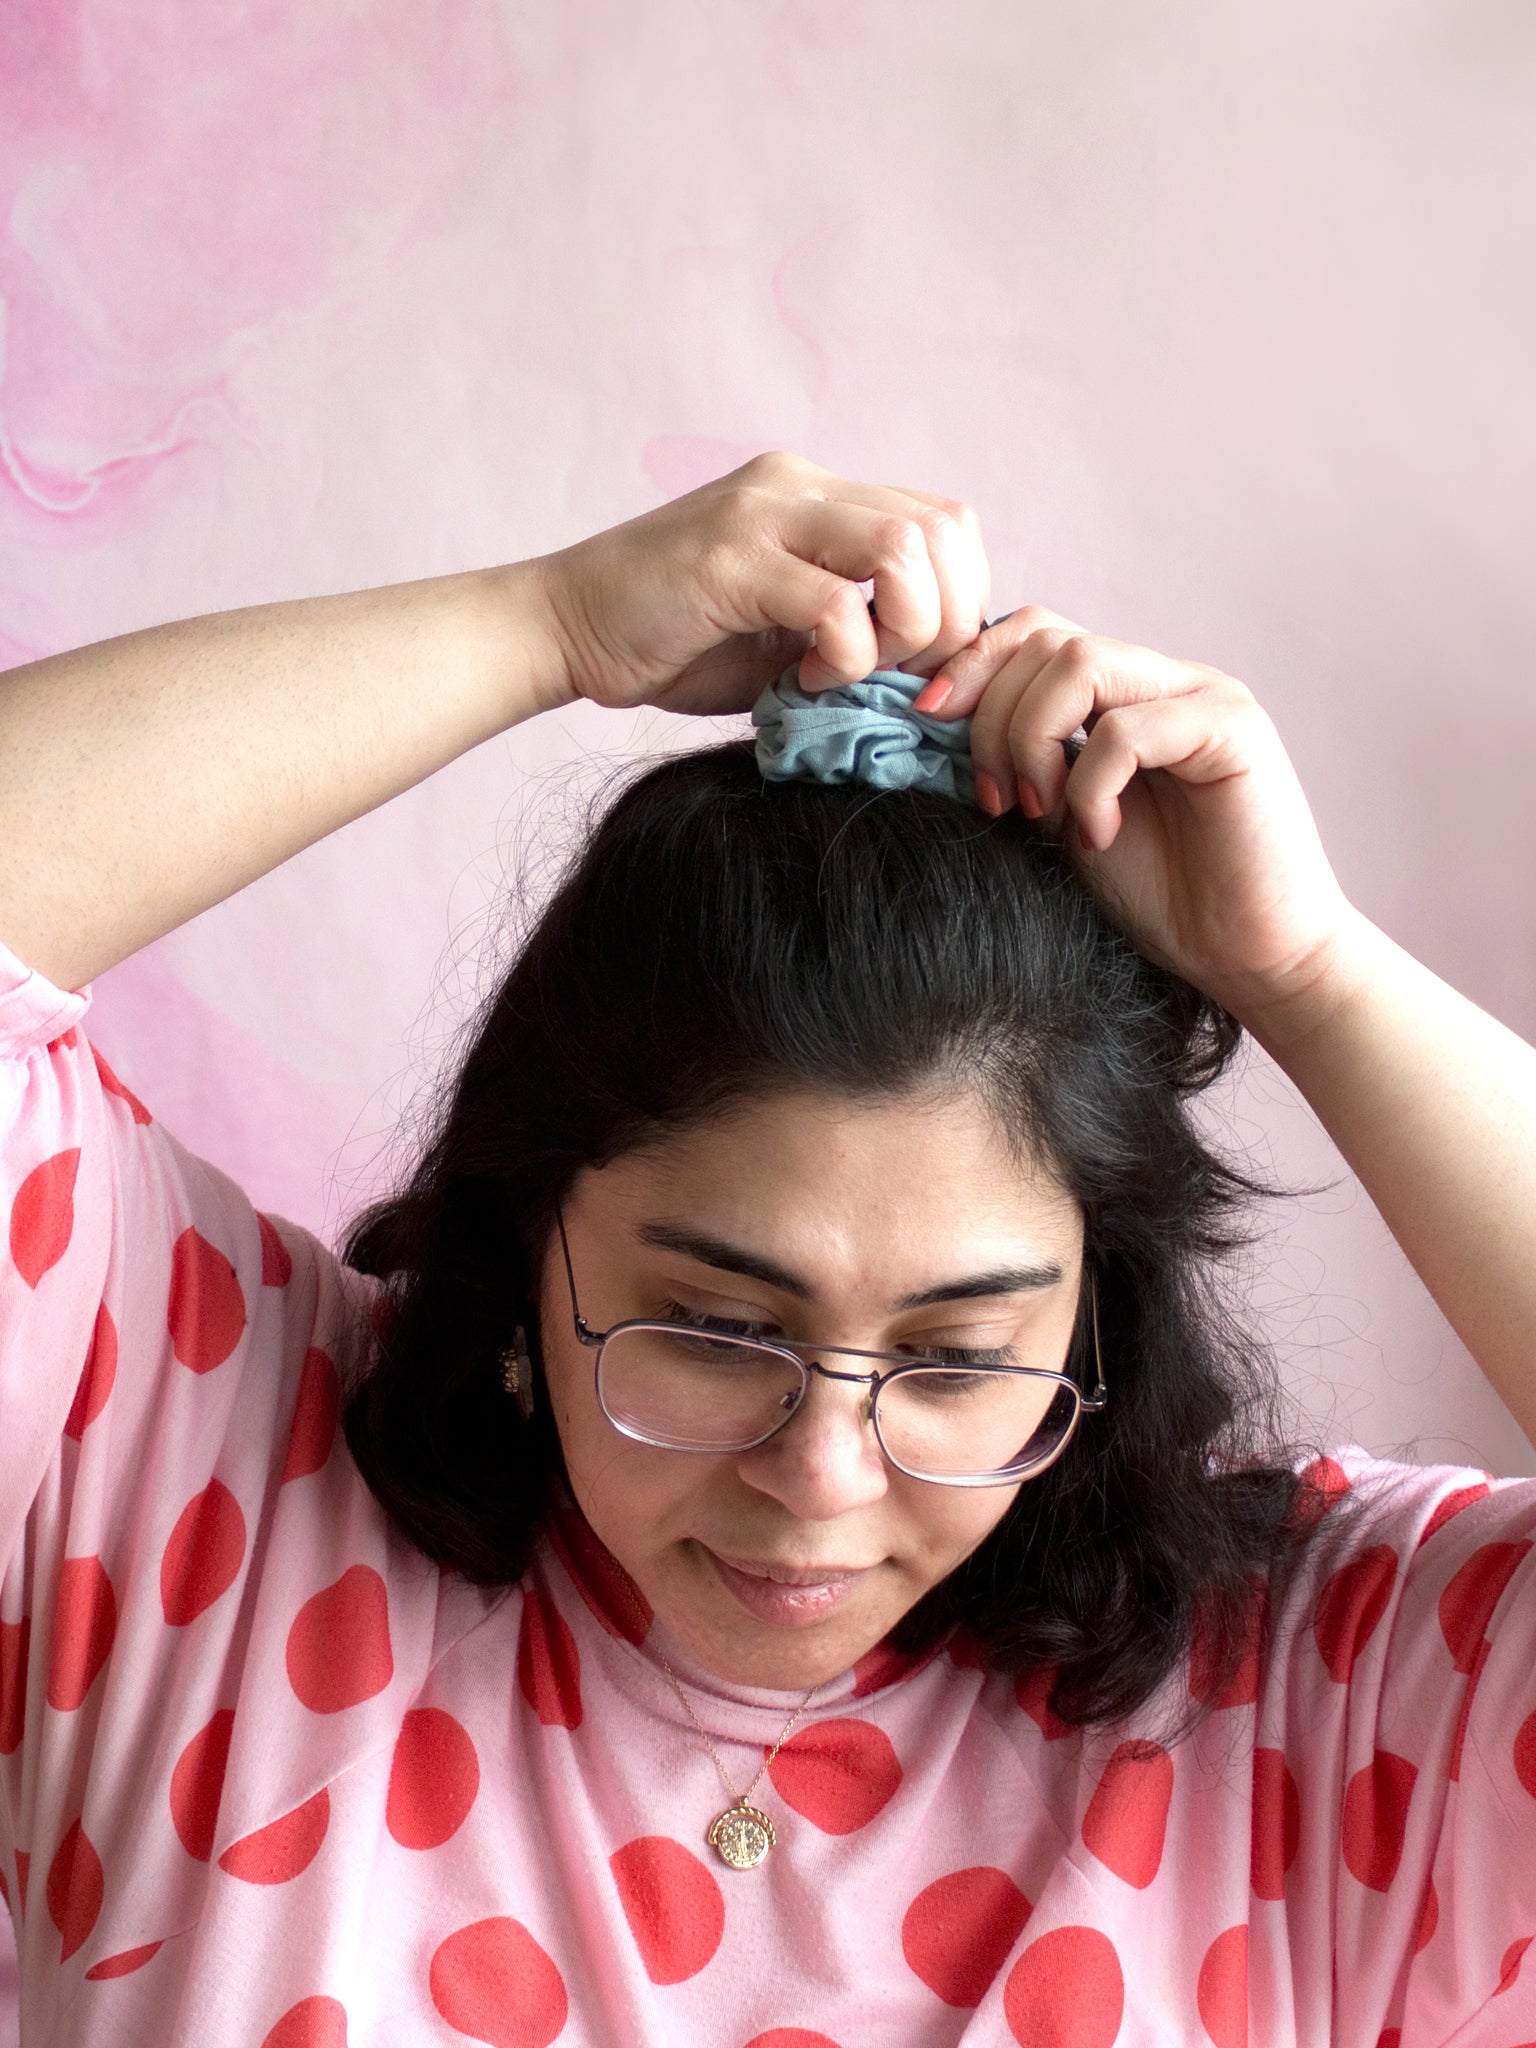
(517, 1375)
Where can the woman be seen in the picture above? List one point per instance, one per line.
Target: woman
(768, 1539)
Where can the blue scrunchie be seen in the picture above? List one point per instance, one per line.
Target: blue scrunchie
(862, 732)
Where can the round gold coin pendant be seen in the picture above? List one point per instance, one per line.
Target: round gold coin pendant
(741, 1836)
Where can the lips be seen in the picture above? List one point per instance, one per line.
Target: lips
(783, 1595)
(790, 1574)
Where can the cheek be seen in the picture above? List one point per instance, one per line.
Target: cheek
(632, 1495)
(948, 1523)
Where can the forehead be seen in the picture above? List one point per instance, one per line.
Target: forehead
(851, 1191)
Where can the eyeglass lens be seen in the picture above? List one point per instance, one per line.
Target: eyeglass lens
(689, 1391)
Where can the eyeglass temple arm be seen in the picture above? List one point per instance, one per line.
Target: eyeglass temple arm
(1096, 1402)
(584, 1334)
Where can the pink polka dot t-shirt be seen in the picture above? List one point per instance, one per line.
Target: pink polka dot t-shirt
(270, 1779)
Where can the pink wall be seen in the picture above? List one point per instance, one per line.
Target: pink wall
(1222, 317)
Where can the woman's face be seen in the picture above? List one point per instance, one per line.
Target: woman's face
(815, 1218)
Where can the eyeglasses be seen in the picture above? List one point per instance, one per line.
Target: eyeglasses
(697, 1386)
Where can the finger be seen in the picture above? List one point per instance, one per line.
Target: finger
(956, 551)
(1006, 742)
(964, 577)
(1087, 676)
(996, 780)
(958, 684)
(1203, 737)
(803, 598)
(864, 543)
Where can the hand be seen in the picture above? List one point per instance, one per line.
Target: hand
(700, 604)
(1183, 809)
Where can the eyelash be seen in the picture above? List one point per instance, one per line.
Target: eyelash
(728, 1326)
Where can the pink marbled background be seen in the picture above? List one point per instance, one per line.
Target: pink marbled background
(1221, 316)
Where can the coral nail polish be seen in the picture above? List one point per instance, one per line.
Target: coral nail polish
(988, 795)
(1029, 802)
(934, 695)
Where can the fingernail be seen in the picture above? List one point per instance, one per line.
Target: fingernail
(988, 795)
(934, 695)
(1029, 802)
(1084, 842)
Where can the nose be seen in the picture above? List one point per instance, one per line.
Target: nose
(826, 1460)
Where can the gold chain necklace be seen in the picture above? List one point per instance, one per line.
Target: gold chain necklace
(742, 1835)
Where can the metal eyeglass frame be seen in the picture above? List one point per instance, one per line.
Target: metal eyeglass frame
(900, 1363)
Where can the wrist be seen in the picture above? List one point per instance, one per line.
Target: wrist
(516, 606)
(1285, 1015)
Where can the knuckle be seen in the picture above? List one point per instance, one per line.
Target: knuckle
(899, 539)
(844, 600)
(1035, 618)
(770, 465)
(1078, 655)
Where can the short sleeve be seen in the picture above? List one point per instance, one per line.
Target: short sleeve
(55, 1255)
(1405, 1727)
(205, 1615)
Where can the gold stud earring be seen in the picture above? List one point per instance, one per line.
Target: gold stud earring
(517, 1371)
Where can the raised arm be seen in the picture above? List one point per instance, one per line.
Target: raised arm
(1192, 827)
(144, 779)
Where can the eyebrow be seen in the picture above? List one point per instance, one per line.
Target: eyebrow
(731, 1258)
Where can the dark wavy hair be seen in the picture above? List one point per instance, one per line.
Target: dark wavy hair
(719, 937)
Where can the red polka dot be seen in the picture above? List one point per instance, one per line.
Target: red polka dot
(1066, 1991)
(1446, 1510)
(433, 1779)
(96, 1378)
(314, 1417)
(1033, 1693)
(276, 1260)
(672, 1903)
(338, 1647)
(75, 1888)
(1509, 1965)
(1350, 1606)
(113, 1086)
(43, 1215)
(1240, 1687)
(604, 1585)
(1429, 1918)
(1322, 1483)
(197, 1784)
(492, 1981)
(124, 1963)
(84, 1624)
(548, 1665)
(203, 1554)
(312, 2023)
(23, 1866)
(839, 1774)
(1525, 1752)
(1375, 1818)
(883, 1666)
(1390, 2037)
(791, 2037)
(1276, 1822)
(1467, 1604)
(67, 1041)
(958, 1931)
(1127, 1816)
(282, 1849)
(15, 1644)
(1222, 1990)
(206, 1311)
